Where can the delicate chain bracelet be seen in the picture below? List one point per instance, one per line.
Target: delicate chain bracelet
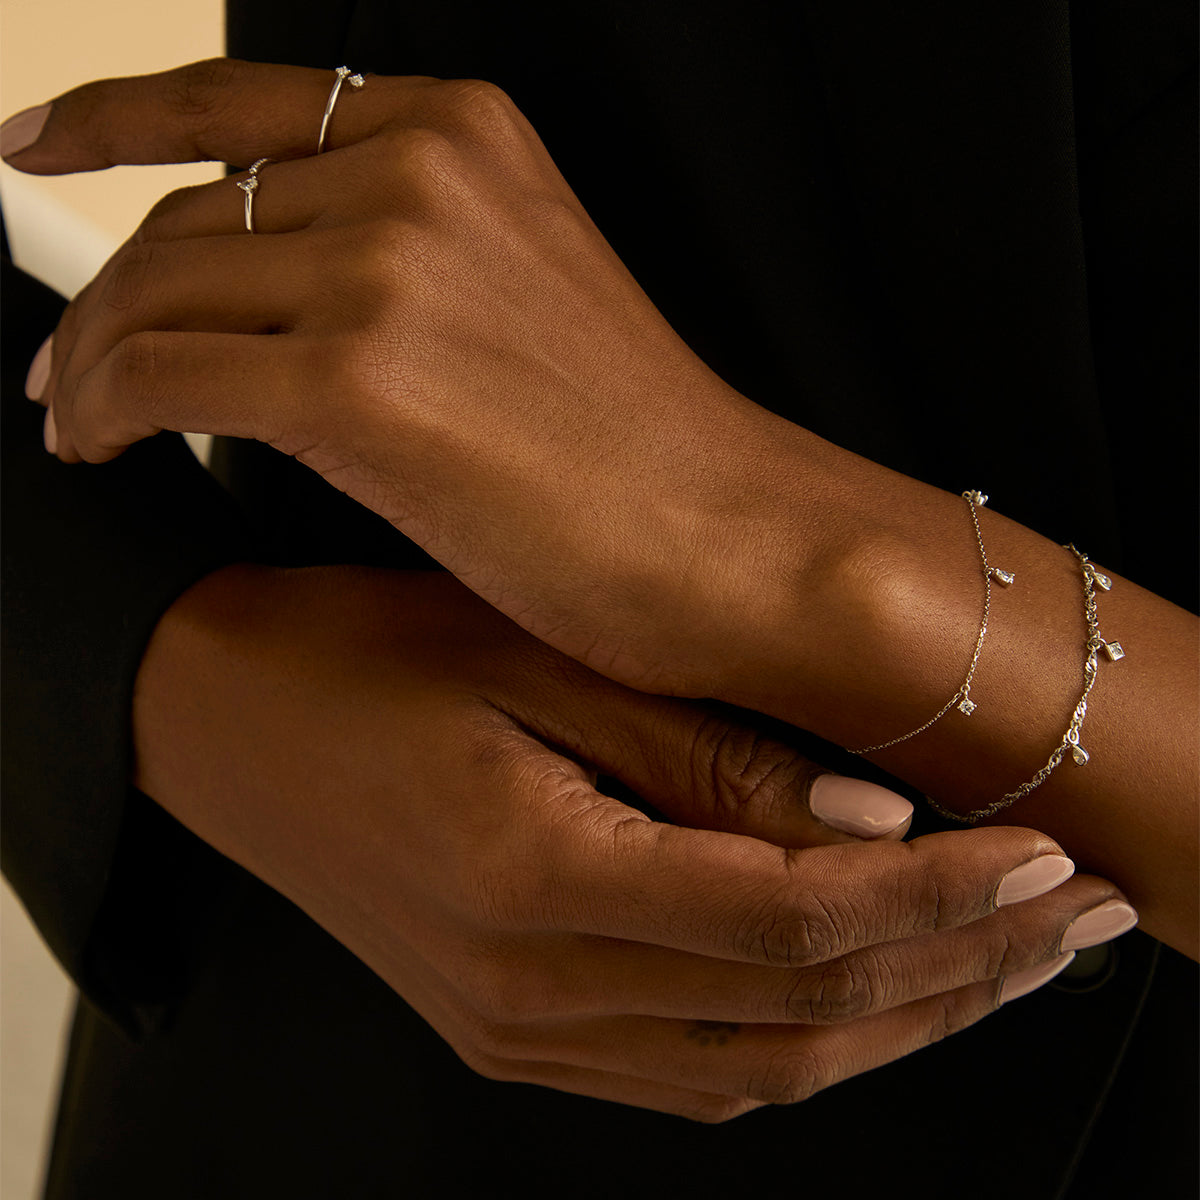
(1114, 651)
(962, 698)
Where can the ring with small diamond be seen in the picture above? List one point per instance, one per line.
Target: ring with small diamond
(250, 187)
(341, 75)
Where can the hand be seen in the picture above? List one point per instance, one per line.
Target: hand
(430, 320)
(418, 780)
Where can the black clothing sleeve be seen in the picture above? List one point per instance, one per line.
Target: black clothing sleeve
(92, 556)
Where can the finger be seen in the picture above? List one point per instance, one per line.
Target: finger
(291, 196)
(187, 382)
(653, 981)
(764, 1064)
(482, 1050)
(620, 1088)
(221, 109)
(729, 896)
(210, 285)
(694, 765)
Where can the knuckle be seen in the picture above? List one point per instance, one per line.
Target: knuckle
(951, 1014)
(201, 89)
(797, 932)
(132, 363)
(840, 991)
(426, 155)
(126, 284)
(744, 772)
(476, 105)
(788, 1076)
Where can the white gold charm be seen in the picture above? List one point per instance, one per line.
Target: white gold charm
(1114, 650)
(966, 706)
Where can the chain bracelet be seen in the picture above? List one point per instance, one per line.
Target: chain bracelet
(1092, 579)
(962, 698)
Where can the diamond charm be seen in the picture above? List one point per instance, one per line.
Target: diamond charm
(975, 497)
(1102, 581)
(1003, 578)
(355, 80)
(1114, 650)
(1079, 754)
(966, 706)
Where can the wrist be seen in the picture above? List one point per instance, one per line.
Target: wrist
(868, 595)
(181, 661)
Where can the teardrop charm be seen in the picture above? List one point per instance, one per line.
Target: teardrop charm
(1102, 581)
(1079, 754)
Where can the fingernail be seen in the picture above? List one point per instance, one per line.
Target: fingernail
(50, 431)
(1034, 878)
(1021, 983)
(39, 370)
(855, 806)
(1100, 924)
(20, 131)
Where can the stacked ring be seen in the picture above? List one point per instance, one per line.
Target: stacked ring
(250, 186)
(342, 75)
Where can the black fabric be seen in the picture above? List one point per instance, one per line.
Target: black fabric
(957, 240)
(91, 557)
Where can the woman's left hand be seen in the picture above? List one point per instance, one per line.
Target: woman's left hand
(428, 318)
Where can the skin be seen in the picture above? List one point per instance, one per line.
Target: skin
(550, 439)
(415, 779)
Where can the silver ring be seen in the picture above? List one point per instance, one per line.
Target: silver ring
(343, 75)
(250, 186)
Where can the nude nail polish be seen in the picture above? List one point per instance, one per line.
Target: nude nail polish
(39, 370)
(1021, 983)
(1034, 878)
(854, 806)
(22, 129)
(50, 432)
(1100, 924)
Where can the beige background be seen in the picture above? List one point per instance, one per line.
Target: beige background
(63, 230)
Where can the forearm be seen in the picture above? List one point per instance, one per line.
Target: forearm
(875, 630)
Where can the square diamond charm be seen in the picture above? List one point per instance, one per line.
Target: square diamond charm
(966, 706)
(1114, 650)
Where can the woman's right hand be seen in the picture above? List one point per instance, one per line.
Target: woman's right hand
(418, 779)
(428, 318)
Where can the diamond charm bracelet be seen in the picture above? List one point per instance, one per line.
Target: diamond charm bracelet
(962, 698)
(1113, 651)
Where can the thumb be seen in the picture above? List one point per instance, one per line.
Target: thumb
(701, 770)
(709, 773)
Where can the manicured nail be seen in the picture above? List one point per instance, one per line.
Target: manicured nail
(1100, 924)
(1021, 983)
(855, 806)
(50, 431)
(1034, 878)
(39, 370)
(20, 131)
